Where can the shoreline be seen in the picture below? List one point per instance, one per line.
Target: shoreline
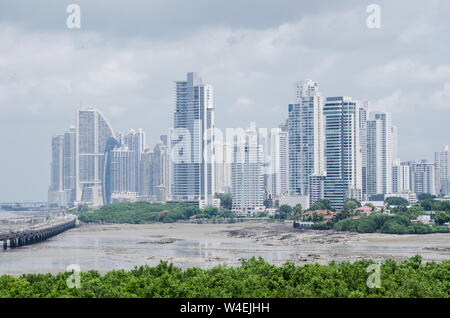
(254, 221)
(122, 246)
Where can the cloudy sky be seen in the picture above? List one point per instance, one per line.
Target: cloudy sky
(127, 54)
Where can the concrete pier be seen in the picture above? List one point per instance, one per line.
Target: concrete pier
(37, 233)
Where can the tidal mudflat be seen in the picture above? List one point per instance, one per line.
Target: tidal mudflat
(123, 246)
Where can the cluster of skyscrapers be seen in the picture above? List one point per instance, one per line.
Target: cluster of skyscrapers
(339, 150)
(328, 148)
(92, 164)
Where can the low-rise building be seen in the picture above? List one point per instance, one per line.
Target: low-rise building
(379, 205)
(425, 219)
(327, 215)
(410, 197)
(364, 210)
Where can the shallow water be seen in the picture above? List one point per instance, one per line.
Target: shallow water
(107, 247)
(123, 248)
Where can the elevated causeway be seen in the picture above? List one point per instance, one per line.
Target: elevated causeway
(37, 233)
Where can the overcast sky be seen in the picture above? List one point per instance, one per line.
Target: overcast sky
(127, 54)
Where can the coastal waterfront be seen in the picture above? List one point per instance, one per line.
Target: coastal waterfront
(123, 246)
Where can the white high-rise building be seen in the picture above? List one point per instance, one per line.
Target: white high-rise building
(70, 141)
(275, 147)
(342, 151)
(423, 177)
(135, 141)
(363, 116)
(405, 178)
(223, 159)
(160, 171)
(379, 153)
(400, 177)
(306, 136)
(123, 175)
(146, 175)
(442, 159)
(316, 188)
(93, 134)
(63, 169)
(192, 142)
(247, 173)
(56, 194)
(284, 159)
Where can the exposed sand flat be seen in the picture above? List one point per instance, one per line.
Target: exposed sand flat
(123, 246)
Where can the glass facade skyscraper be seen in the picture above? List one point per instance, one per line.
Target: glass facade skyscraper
(93, 132)
(343, 152)
(192, 145)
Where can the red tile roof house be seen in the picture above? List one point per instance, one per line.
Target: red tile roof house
(327, 215)
(364, 210)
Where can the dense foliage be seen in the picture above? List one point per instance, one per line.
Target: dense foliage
(324, 204)
(397, 223)
(284, 212)
(396, 201)
(382, 223)
(435, 205)
(226, 201)
(254, 278)
(145, 212)
(399, 220)
(351, 205)
(442, 217)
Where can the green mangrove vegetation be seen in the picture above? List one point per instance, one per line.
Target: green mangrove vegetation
(254, 278)
(145, 212)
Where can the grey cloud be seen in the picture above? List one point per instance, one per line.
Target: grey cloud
(125, 57)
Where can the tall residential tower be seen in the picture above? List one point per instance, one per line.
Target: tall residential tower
(379, 153)
(192, 146)
(93, 133)
(442, 159)
(342, 151)
(306, 137)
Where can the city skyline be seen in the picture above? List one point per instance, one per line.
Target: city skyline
(333, 148)
(249, 56)
(134, 143)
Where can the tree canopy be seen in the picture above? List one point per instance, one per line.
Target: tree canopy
(324, 204)
(225, 200)
(351, 205)
(399, 201)
(145, 212)
(283, 212)
(383, 223)
(253, 279)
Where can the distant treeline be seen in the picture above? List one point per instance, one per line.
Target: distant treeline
(399, 220)
(254, 278)
(381, 223)
(145, 212)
